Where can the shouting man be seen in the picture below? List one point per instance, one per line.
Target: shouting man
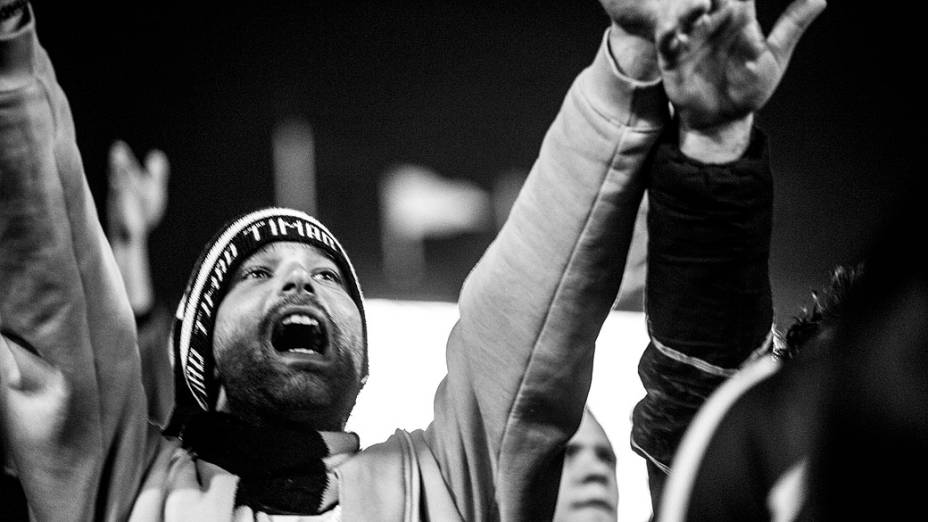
(269, 340)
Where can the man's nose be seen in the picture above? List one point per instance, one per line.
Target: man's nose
(297, 280)
(594, 468)
(595, 476)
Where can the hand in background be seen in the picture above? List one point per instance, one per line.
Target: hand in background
(138, 193)
(136, 203)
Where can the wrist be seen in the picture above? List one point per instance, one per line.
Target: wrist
(129, 245)
(722, 143)
(126, 238)
(132, 260)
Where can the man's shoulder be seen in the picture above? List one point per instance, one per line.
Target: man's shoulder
(397, 447)
(381, 480)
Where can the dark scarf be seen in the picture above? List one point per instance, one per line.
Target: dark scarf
(281, 468)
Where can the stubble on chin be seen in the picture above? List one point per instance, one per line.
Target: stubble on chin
(264, 389)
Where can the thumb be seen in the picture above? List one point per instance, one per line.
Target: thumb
(156, 164)
(791, 25)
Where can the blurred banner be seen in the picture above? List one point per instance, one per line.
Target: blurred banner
(416, 204)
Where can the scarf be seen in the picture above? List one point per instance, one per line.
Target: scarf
(283, 470)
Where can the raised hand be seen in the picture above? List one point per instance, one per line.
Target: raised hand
(638, 17)
(631, 39)
(138, 193)
(716, 64)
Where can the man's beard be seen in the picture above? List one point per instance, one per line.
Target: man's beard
(261, 388)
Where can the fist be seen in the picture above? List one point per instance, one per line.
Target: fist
(637, 17)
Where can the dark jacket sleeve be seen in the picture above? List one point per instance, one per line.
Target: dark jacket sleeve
(708, 299)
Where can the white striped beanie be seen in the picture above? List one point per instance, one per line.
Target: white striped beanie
(196, 387)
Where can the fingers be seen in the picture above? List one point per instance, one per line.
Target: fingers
(125, 172)
(791, 25)
(693, 26)
(121, 154)
(118, 182)
(156, 164)
(677, 17)
(690, 12)
(747, 40)
(710, 24)
(116, 165)
(155, 192)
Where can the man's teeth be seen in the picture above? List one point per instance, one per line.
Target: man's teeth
(300, 319)
(302, 350)
(299, 333)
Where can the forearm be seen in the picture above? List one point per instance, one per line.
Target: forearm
(132, 258)
(708, 290)
(520, 356)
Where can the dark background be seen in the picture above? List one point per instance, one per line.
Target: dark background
(467, 88)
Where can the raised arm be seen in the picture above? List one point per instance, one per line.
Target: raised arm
(137, 198)
(708, 291)
(135, 205)
(520, 357)
(72, 402)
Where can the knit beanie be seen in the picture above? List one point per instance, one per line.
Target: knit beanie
(195, 384)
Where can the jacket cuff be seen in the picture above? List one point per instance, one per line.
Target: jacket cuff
(622, 99)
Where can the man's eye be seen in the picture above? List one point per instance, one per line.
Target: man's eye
(328, 275)
(605, 455)
(256, 272)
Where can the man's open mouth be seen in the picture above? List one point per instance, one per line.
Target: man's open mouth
(300, 333)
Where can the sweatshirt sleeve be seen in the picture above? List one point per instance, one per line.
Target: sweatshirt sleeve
(520, 356)
(708, 299)
(73, 407)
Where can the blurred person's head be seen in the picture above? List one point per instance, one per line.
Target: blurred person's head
(588, 490)
(271, 328)
(872, 438)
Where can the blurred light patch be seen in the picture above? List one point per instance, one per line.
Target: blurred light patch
(407, 361)
(417, 204)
